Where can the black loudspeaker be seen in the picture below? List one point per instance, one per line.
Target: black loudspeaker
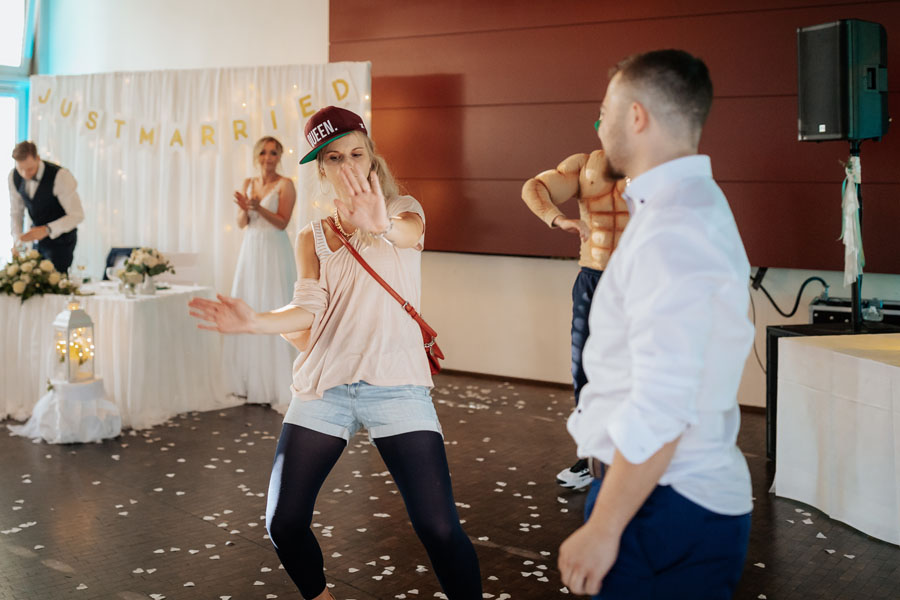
(842, 93)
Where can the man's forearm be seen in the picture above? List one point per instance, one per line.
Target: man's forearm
(625, 488)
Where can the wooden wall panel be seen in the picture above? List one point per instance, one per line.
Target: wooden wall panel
(364, 19)
(472, 98)
(749, 54)
(463, 213)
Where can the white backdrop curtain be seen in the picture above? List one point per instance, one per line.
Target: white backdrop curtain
(158, 154)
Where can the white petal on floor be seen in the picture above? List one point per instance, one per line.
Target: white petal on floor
(760, 565)
(821, 536)
(81, 586)
(258, 582)
(188, 584)
(850, 556)
(829, 551)
(807, 521)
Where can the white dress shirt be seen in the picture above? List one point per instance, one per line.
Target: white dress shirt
(64, 188)
(669, 337)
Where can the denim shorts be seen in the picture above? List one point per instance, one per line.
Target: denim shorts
(382, 410)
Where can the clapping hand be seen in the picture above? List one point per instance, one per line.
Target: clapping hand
(244, 202)
(228, 315)
(364, 207)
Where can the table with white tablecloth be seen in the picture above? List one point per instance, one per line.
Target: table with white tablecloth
(154, 361)
(838, 435)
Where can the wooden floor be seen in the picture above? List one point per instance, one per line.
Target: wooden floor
(177, 512)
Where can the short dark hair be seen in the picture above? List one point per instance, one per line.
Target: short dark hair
(24, 150)
(675, 77)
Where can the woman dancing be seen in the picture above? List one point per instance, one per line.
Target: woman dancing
(364, 365)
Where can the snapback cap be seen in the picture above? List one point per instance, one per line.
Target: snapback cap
(327, 125)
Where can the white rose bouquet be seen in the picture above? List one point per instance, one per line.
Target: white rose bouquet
(29, 275)
(145, 261)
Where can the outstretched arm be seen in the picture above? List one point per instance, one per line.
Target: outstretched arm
(366, 210)
(233, 315)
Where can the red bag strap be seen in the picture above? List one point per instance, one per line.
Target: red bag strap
(406, 305)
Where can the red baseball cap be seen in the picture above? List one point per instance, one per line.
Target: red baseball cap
(327, 125)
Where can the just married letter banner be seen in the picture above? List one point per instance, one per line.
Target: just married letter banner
(158, 154)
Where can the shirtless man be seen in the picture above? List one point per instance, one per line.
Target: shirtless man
(603, 216)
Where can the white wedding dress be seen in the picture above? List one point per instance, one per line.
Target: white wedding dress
(259, 367)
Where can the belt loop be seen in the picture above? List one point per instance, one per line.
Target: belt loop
(596, 468)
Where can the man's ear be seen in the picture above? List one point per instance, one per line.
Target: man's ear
(639, 117)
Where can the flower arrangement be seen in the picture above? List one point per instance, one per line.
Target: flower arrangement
(146, 262)
(28, 275)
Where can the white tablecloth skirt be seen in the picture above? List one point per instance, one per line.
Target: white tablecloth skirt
(153, 360)
(838, 435)
(71, 413)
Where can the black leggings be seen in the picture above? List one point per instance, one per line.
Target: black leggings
(417, 463)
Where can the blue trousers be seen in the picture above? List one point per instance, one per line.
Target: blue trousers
(675, 549)
(582, 296)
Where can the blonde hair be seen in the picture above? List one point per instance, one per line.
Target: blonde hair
(261, 142)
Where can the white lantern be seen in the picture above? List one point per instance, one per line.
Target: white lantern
(74, 349)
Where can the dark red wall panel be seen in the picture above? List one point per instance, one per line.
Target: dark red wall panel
(470, 98)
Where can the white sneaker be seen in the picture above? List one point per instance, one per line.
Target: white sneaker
(577, 477)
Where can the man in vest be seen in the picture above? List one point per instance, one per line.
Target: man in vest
(48, 192)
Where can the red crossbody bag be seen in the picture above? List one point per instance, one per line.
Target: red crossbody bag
(432, 350)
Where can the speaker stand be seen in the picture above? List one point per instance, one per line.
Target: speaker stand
(856, 321)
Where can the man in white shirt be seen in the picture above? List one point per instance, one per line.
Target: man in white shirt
(48, 192)
(668, 515)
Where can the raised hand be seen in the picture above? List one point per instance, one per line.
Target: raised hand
(364, 207)
(228, 315)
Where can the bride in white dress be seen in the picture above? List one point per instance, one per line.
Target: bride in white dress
(259, 367)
